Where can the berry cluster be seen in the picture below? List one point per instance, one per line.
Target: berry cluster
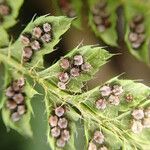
(98, 140)
(16, 99)
(71, 68)
(67, 8)
(59, 127)
(109, 94)
(4, 10)
(101, 16)
(40, 35)
(137, 31)
(141, 120)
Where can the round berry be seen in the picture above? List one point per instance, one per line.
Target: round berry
(136, 127)
(55, 132)
(4, 10)
(47, 27)
(64, 63)
(11, 104)
(75, 72)
(65, 135)
(35, 45)
(59, 111)
(86, 67)
(105, 90)
(62, 123)
(78, 60)
(18, 98)
(60, 143)
(15, 117)
(10, 92)
(61, 85)
(101, 104)
(21, 109)
(24, 40)
(114, 100)
(98, 137)
(53, 120)
(46, 38)
(117, 90)
(138, 114)
(92, 146)
(37, 32)
(63, 77)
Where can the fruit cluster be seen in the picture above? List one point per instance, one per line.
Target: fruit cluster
(101, 16)
(109, 94)
(97, 141)
(137, 31)
(16, 99)
(67, 8)
(71, 68)
(59, 126)
(4, 10)
(40, 35)
(141, 120)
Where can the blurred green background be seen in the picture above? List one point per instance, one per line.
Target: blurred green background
(123, 63)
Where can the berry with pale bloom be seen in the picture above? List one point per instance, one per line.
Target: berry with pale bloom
(62, 123)
(114, 100)
(35, 45)
(86, 67)
(105, 90)
(15, 117)
(47, 27)
(61, 85)
(21, 109)
(65, 135)
(18, 98)
(138, 114)
(55, 132)
(117, 90)
(60, 142)
(78, 60)
(92, 146)
(75, 72)
(98, 137)
(64, 63)
(37, 32)
(59, 111)
(101, 104)
(63, 77)
(136, 127)
(53, 120)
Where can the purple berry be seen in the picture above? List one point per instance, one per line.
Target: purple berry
(62, 123)
(59, 111)
(53, 120)
(75, 72)
(78, 60)
(65, 135)
(60, 143)
(63, 77)
(105, 90)
(47, 27)
(64, 63)
(55, 132)
(37, 32)
(136, 127)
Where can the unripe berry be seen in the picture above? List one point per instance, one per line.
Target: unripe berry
(65, 135)
(63, 77)
(136, 127)
(37, 32)
(78, 60)
(11, 104)
(55, 132)
(98, 137)
(101, 104)
(138, 114)
(75, 72)
(62, 123)
(60, 143)
(92, 146)
(59, 111)
(10, 92)
(47, 27)
(53, 120)
(64, 63)
(18, 98)
(21, 109)
(15, 117)
(105, 90)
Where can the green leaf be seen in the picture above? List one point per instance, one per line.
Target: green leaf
(131, 9)
(77, 7)
(4, 38)
(59, 26)
(96, 56)
(23, 125)
(109, 36)
(10, 20)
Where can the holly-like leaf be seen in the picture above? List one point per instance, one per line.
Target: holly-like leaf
(59, 26)
(95, 56)
(131, 9)
(109, 36)
(70, 8)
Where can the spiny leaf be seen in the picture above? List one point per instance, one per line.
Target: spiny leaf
(95, 56)
(109, 36)
(59, 26)
(73, 7)
(133, 8)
